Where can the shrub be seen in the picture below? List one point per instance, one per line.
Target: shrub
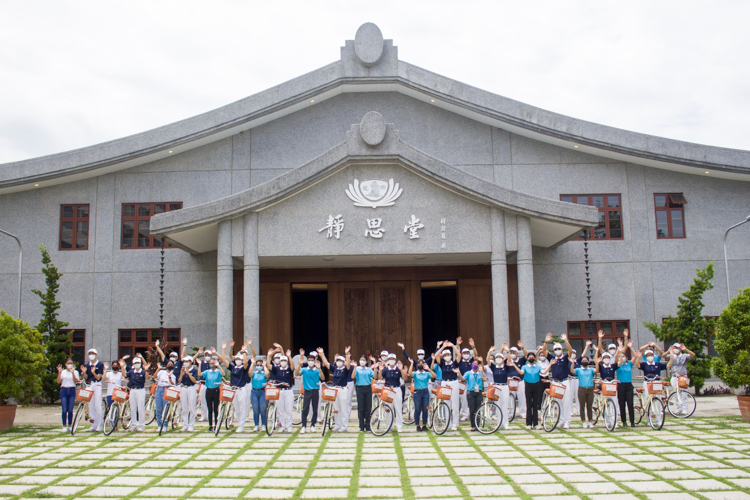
(733, 342)
(22, 360)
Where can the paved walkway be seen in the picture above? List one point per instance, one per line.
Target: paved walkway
(706, 458)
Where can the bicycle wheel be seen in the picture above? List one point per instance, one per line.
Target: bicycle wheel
(220, 418)
(271, 418)
(381, 419)
(656, 414)
(326, 417)
(77, 418)
(297, 410)
(595, 410)
(512, 405)
(688, 404)
(551, 416)
(125, 420)
(111, 419)
(231, 415)
(165, 414)
(638, 410)
(176, 414)
(610, 415)
(441, 418)
(150, 409)
(488, 418)
(407, 410)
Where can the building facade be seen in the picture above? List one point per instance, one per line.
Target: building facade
(367, 203)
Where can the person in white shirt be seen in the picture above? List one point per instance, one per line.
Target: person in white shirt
(114, 378)
(164, 377)
(67, 378)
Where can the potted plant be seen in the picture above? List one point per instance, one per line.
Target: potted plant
(22, 360)
(733, 345)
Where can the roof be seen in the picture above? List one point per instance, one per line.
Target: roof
(370, 63)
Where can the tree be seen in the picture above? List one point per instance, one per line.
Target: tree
(21, 360)
(733, 342)
(57, 344)
(691, 327)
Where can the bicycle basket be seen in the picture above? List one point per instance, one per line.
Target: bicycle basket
(655, 387)
(444, 392)
(683, 382)
(461, 387)
(377, 386)
(609, 389)
(513, 384)
(272, 393)
(85, 395)
(171, 394)
(329, 394)
(411, 388)
(120, 395)
(152, 389)
(493, 393)
(557, 391)
(387, 395)
(226, 394)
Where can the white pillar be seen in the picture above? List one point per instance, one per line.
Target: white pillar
(251, 296)
(501, 326)
(526, 284)
(224, 284)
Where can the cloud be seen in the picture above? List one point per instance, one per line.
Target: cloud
(78, 73)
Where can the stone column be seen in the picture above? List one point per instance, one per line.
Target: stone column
(251, 294)
(224, 284)
(526, 284)
(501, 326)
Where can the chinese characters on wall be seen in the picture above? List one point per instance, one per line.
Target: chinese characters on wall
(374, 228)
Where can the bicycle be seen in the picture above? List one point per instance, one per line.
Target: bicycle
(489, 416)
(512, 398)
(226, 396)
(680, 397)
(299, 402)
(83, 396)
(381, 417)
(551, 405)
(604, 406)
(439, 412)
(652, 407)
(377, 386)
(116, 410)
(172, 409)
(150, 406)
(273, 392)
(328, 392)
(407, 407)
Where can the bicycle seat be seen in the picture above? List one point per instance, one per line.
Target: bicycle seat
(597, 391)
(639, 389)
(546, 390)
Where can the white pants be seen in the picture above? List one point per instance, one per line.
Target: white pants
(503, 403)
(454, 402)
(464, 402)
(320, 412)
(681, 402)
(348, 408)
(566, 403)
(574, 392)
(339, 406)
(189, 400)
(137, 407)
(398, 406)
(95, 406)
(240, 406)
(521, 395)
(284, 407)
(204, 404)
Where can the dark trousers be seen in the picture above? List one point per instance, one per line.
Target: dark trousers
(421, 402)
(585, 402)
(311, 396)
(474, 398)
(212, 400)
(364, 406)
(533, 402)
(625, 397)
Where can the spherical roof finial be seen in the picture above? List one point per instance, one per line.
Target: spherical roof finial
(368, 44)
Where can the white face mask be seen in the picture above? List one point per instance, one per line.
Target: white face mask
(391, 362)
(311, 363)
(92, 357)
(339, 364)
(173, 360)
(513, 357)
(447, 359)
(676, 352)
(420, 357)
(238, 361)
(605, 362)
(136, 366)
(207, 359)
(612, 351)
(650, 359)
(70, 367)
(362, 362)
(284, 364)
(277, 360)
(383, 358)
(572, 356)
(466, 356)
(558, 352)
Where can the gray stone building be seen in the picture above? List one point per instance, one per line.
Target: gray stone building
(367, 203)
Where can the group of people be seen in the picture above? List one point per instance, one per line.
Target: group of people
(461, 368)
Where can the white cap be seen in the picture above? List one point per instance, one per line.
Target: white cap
(313, 353)
(174, 354)
(137, 360)
(677, 344)
(340, 357)
(238, 355)
(384, 353)
(284, 358)
(606, 355)
(187, 358)
(648, 351)
(610, 346)
(514, 349)
(94, 351)
(464, 350)
(447, 350)
(557, 346)
(391, 356)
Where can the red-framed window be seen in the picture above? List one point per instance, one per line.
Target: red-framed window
(139, 340)
(610, 214)
(670, 215)
(581, 331)
(136, 218)
(78, 349)
(74, 227)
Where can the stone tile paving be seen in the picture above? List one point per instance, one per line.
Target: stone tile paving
(701, 458)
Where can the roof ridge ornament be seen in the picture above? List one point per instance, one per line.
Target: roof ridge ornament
(372, 128)
(368, 44)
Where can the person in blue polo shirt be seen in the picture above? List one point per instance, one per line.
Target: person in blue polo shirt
(624, 374)
(585, 373)
(312, 375)
(212, 377)
(475, 383)
(363, 376)
(421, 378)
(531, 373)
(136, 377)
(258, 396)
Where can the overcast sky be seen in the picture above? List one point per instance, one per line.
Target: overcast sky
(76, 73)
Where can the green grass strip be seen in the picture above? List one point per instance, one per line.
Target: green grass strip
(311, 467)
(354, 485)
(405, 480)
(269, 464)
(462, 489)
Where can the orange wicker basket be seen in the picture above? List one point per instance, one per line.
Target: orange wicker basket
(444, 392)
(273, 393)
(557, 391)
(120, 395)
(377, 386)
(171, 394)
(329, 393)
(609, 388)
(388, 395)
(513, 384)
(683, 382)
(493, 393)
(655, 387)
(226, 394)
(84, 395)
(411, 388)
(152, 389)
(461, 387)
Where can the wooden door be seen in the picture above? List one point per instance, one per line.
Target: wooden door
(475, 313)
(275, 316)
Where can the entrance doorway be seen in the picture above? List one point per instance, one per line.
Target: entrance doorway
(439, 314)
(309, 317)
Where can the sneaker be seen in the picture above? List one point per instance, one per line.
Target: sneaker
(584, 425)
(262, 428)
(255, 429)
(240, 429)
(191, 429)
(528, 427)
(210, 429)
(184, 429)
(301, 432)
(632, 424)
(203, 419)
(591, 425)
(464, 419)
(566, 425)
(312, 428)
(90, 429)
(505, 427)
(141, 429)
(65, 429)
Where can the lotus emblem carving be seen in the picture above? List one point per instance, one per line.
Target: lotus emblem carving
(374, 193)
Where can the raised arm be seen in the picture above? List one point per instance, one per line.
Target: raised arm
(564, 336)
(690, 353)
(473, 348)
(158, 350)
(252, 347)
(600, 347)
(323, 359)
(521, 346)
(547, 340)
(184, 347)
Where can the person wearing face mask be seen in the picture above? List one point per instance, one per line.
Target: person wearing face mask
(325, 367)
(342, 374)
(93, 371)
(113, 378)
(677, 366)
(202, 360)
(258, 396)
(187, 378)
(585, 373)
(67, 378)
(531, 373)
(392, 372)
(136, 377)
(475, 381)
(559, 368)
(464, 365)
(282, 374)
(499, 369)
(624, 374)
(312, 375)
(164, 377)
(513, 355)
(650, 367)
(606, 365)
(363, 376)
(421, 378)
(449, 367)
(238, 378)
(212, 378)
